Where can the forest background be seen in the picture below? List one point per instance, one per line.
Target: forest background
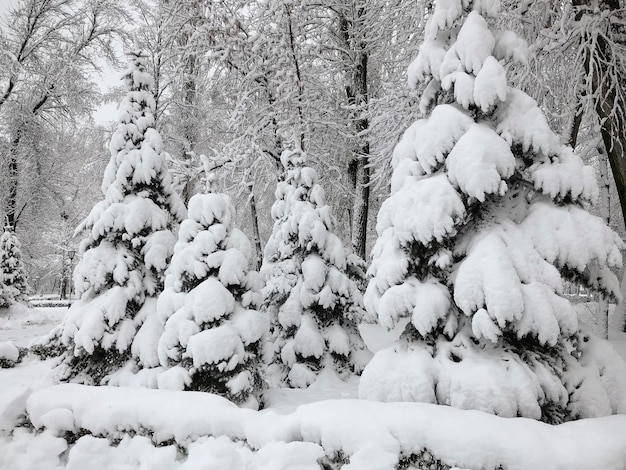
(242, 81)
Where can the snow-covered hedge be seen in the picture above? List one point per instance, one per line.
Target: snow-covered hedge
(9, 354)
(108, 427)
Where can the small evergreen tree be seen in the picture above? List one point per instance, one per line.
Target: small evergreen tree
(128, 246)
(5, 296)
(212, 336)
(313, 304)
(487, 216)
(13, 286)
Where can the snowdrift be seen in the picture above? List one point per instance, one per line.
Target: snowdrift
(120, 428)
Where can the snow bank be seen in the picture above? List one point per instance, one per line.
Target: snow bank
(18, 313)
(217, 434)
(12, 405)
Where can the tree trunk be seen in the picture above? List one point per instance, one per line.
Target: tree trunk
(12, 214)
(256, 234)
(296, 64)
(610, 111)
(603, 317)
(605, 188)
(605, 213)
(361, 203)
(608, 104)
(358, 98)
(362, 188)
(12, 180)
(620, 310)
(615, 142)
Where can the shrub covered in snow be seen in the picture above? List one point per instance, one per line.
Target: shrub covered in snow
(486, 218)
(75, 427)
(13, 285)
(213, 329)
(128, 245)
(9, 354)
(314, 306)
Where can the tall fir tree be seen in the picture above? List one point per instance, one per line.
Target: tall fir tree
(13, 281)
(127, 249)
(486, 219)
(313, 303)
(213, 329)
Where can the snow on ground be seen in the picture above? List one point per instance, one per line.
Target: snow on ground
(328, 387)
(20, 324)
(299, 429)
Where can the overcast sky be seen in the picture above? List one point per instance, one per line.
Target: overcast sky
(4, 7)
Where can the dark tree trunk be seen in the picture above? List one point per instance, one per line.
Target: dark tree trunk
(358, 98)
(296, 65)
(258, 248)
(12, 214)
(615, 142)
(609, 105)
(610, 109)
(13, 179)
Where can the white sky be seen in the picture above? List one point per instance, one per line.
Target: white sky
(109, 79)
(105, 113)
(4, 5)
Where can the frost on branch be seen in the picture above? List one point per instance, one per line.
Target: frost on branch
(313, 302)
(213, 330)
(485, 220)
(128, 245)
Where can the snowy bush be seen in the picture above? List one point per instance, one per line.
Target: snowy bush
(74, 426)
(13, 286)
(128, 245)
(486, 218)
(213, 329)
(9, 354)
(313, 304)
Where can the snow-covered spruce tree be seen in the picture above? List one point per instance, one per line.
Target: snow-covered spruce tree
(13, 286)
(313, 304)
(213, 330)
(5, 296)
(127, 249)
(485, 220)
